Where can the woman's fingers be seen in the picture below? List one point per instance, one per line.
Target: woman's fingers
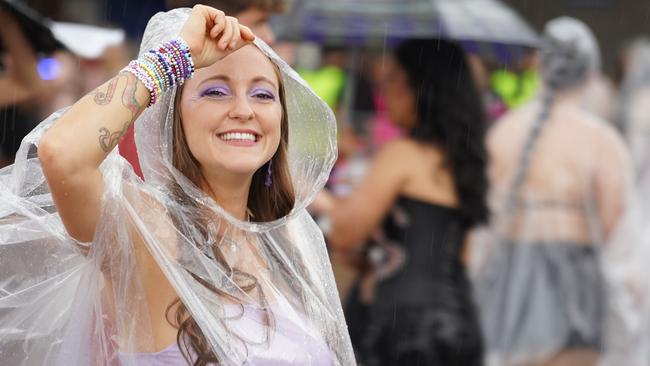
(236, 35)
(229, 28)
(220, 24)
(209, 14)
(211, 27)
(244, 36)
(227, 34)
(246, 33)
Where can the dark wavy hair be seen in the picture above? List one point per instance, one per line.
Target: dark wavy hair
(450, 113)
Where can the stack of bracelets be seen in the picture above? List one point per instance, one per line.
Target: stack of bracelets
(161, 69)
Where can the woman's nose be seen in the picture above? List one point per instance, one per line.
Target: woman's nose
(241, 109)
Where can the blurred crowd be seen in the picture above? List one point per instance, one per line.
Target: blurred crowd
(481, 210)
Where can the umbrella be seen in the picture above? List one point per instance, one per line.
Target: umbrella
(377, 22)
(35, 27)
(488, 27)
(86, 41)
(45, 36)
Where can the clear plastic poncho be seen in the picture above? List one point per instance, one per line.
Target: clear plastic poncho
(549, 272)
(68, 303)
(631, 239)
(634, 109)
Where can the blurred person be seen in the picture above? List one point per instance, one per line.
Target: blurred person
(559, 182)
(61, 78)
(20, 77)
(64, 85)
(599, 97)
(42, 84)
(337, 77)
(382, 130)
(101, 52)
(212, 259)
(254, 14)
(422, 193)
(251, 13)
(287, 50)
(634, 110)
(631, 239)
(520, 85)
(19, 81)
(494, 105)
(94, 70)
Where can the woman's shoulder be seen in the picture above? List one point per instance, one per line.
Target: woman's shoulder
(409, 148)
(593, 126)
(149, 209)
(399, 144)
(411, 158)
(514, 122)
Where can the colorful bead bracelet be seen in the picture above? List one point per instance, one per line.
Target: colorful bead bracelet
(163, 68)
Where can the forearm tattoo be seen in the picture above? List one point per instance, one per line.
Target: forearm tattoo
(108, 140)
(104, 95)
(128, 96)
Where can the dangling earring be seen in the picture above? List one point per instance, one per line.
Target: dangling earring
(269, 171)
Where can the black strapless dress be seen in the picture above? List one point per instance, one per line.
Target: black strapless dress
(423, 312)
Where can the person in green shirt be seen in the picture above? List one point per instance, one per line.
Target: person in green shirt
(516, 87)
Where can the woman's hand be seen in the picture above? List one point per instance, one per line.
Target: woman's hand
(212, 35)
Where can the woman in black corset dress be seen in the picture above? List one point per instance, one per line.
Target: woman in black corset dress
(420, 197)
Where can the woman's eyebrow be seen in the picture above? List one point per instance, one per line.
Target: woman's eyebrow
(226, 78)
(215, 77)
(257, 79)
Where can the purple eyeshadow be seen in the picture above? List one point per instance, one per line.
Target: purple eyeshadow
(223, 91)
(265, 92)
(216, 91)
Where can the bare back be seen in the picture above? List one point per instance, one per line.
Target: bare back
(576, 178)
(427, 177)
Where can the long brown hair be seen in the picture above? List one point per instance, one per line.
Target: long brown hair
(264, 203)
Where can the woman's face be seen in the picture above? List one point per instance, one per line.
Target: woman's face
(399, 97)
(231, 113)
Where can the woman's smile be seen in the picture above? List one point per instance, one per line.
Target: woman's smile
(243, 138)
(232, 113)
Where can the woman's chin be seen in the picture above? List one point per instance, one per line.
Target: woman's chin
(240, 168)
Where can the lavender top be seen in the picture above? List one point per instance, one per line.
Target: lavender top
(294, 341)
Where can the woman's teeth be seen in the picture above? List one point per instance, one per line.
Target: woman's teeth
(237, 136)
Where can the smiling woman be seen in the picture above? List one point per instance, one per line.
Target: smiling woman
(233, 123)
(212, 258)
(230, 121)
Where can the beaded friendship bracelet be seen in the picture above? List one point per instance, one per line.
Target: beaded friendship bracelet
(163, 68)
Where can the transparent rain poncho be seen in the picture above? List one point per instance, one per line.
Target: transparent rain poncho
(634, 109)
(545, 270)
(630, 243)
(68, 303)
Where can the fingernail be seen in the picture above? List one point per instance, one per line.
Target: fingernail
(233, 44)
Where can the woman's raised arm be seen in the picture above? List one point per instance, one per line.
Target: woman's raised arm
(72, 150)
(74, 147)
